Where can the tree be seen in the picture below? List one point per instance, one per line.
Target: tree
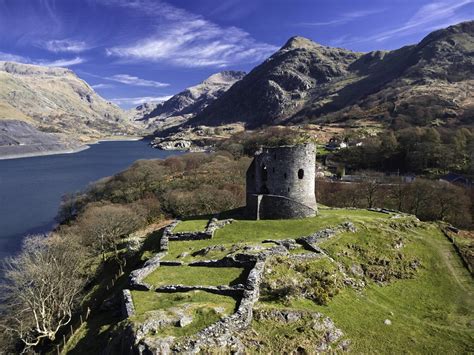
(40, 289)
(103, 227)
(370, 187)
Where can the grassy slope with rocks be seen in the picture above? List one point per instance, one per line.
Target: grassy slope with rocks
(401, 269)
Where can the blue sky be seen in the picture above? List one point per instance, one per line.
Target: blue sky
(133, 51)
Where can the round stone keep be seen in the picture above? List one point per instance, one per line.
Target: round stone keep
(281, 182)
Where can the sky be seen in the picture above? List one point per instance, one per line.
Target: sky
(135, 51)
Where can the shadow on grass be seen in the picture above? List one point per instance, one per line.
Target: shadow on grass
(236, 213)
(99, 333)
(152, 242)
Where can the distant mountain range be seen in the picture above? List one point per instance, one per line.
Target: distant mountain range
(56, 100)
(428, 83)
(186, 104)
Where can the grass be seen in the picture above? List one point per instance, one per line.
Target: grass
(191, 225)
(430, 313)
(431, 309)
(94, 335)
(254, 232)
(271, 336)
(195, 275)
(204, 307)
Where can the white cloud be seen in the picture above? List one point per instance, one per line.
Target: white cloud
(437, 14)
(136, 81)
(344, 18)
(128, 101)
(65, 45)
(185, 39)
(428, 17)
(8, 57)
(102, 86)
(44, 62)
(60, 62)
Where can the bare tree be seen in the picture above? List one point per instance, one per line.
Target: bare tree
(369, 188)
(103, 227)
(40, 289)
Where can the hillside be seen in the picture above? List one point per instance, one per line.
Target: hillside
(186, 104)
(55, 100)
(427, 83)
(20, 138)
(363, 281)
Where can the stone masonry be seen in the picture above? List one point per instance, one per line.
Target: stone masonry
(281, 183)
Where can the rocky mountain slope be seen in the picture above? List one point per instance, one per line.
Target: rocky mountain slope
(427, 83)
(184, 105)
(55, 100)
(21, 139)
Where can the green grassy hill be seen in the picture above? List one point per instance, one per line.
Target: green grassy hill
(395, 285)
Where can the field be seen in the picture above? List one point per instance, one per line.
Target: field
(194, 275)
(411, 277)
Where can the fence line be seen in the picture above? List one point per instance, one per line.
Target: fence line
(82, 319)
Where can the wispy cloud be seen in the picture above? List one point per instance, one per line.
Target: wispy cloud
(128, 101)
(8, 57)
(102, 86)
(136, 81)
(60, 62)
(186, 39)
(44, 62)
(344, 18)
(429, 17)
(65, 45)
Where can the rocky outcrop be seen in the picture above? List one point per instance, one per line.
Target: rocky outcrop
(200, 138)
(331, 339)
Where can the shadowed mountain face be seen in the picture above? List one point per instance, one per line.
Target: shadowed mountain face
(56, 100)
(189, 102)
(306, 82)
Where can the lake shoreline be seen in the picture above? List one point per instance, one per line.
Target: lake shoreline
(31, 189)
(81, 148)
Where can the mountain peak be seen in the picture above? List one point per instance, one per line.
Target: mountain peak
(464, 28)
(224, 77)
(300, 42)
(31, 69)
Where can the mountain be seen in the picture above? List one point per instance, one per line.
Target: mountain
(427, 83)
(19, 138)
(56, 100)
(189, 102)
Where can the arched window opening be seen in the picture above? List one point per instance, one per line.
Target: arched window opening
(264, 173)
(288, 189)
(285, 176)
(300, 174)
(273, 170)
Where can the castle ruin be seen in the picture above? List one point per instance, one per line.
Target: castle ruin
(280, 183)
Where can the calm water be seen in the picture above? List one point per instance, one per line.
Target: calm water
(31, 188)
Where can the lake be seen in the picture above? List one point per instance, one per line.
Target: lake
(31, 188)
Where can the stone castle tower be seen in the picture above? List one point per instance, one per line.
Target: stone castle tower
(280, 183)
